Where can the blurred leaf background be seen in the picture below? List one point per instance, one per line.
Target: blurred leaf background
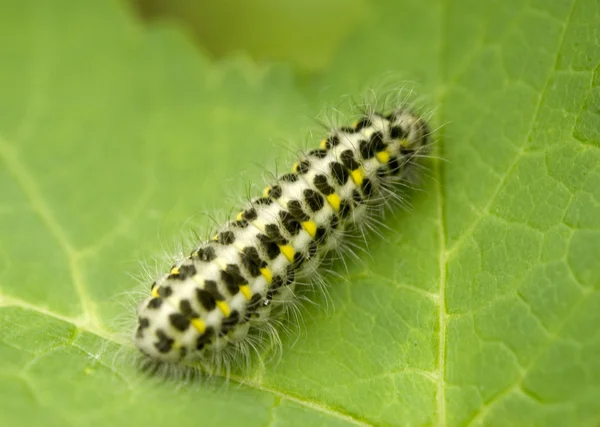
(306, 35)
(120, 123)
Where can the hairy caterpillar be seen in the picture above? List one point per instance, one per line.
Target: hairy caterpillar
(235, 285)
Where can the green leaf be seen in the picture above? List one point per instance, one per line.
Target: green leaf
(481, 306)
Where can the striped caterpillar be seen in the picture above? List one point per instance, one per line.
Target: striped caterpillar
(235, 285)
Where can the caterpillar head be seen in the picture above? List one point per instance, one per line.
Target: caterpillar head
(411, 130)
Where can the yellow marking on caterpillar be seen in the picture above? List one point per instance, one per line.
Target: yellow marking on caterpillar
(266, 192)
(296, 167)
(175, 271)
(355, 124)
(224, 307)
(267, 274)
(310, 227)
(216, 237)
(246, 291)
(357, 176)
(335, 201)
(288, 251)
(198, 325)
(383, 156)
(154, 292)
(239, 216)
(323, 144)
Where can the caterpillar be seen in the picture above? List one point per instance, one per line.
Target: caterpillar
(237, 283)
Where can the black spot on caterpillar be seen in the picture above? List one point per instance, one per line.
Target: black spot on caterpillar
(241, 280)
